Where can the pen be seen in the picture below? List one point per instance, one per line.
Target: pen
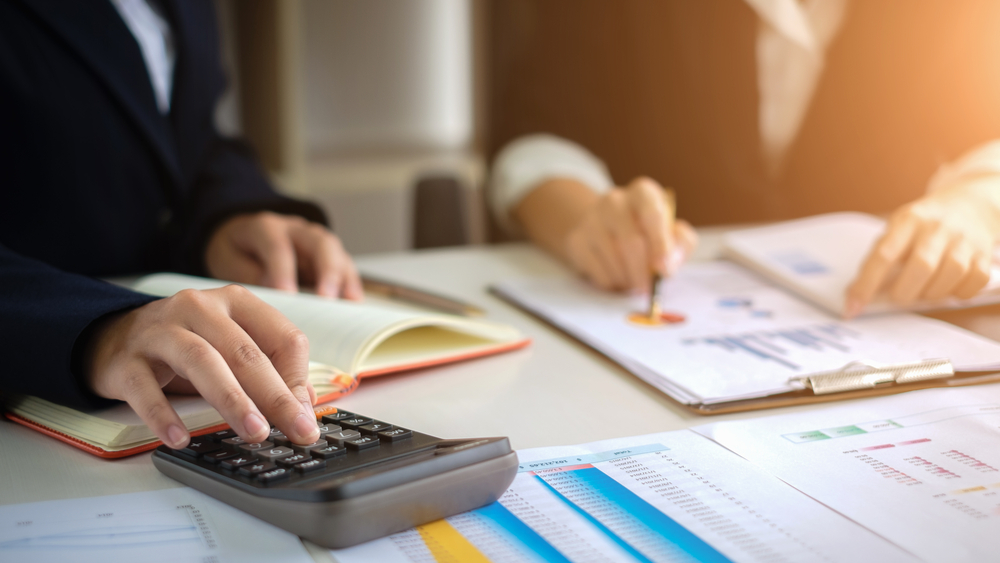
(654, 312)
(393, 290)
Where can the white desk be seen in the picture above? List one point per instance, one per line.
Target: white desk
(554, 392)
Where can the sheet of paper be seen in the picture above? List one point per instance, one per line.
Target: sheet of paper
(740, 336)
(921, 469)
(177, 525)
(819, 256)
(674, 496)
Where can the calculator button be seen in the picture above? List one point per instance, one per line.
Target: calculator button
(237, 462)
(305, 449)
(328, 452)
(327, 428)
(338, 438)
(274, 453)
(293, 460)
(362, 443)
(233, 442)
(374, 428)
(198, 447)
(354, 422)
(273, 475)
(280, 440)
(274, 432)
(311, 465)
(254, 446)
(217, 456)
(254, 469)
(220, 435)
(395, 434)
(336, 417)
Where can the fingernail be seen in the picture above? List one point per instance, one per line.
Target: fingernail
(255, 426)
(306, 428)
(330, 290)
(675, 260)
(178, 436)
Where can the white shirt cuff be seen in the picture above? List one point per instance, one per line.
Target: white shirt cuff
(528, 161)
(982, 160)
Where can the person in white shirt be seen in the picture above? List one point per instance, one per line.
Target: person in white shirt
(562, 196)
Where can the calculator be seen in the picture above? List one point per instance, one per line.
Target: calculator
(362, 480)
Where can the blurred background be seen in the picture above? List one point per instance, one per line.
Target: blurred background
(372, 108)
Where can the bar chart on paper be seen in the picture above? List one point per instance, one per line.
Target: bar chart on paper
(175, 525)
(923, 468)
(673, 497)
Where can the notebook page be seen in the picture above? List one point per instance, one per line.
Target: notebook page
(921, 469)
(741, 336)
(338, 330)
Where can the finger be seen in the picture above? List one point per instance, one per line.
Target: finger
(587, 263)
(193, 358)
(320, 249)
(270, 242)
(270, 357)
(653, 212)
(893, 246)
(920, 266)
(629, 246)
(610, 263)
(142, 392)
(687, 240)
(353, 289)
(954, 265)
(977, 277)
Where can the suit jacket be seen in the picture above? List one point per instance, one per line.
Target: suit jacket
(94, 181)
(668, 88)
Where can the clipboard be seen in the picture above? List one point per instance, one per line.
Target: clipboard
(856, 380)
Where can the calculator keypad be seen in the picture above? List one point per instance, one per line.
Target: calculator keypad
(346, 438)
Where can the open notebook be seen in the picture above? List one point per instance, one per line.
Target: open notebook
(818, 257)
(347, 342)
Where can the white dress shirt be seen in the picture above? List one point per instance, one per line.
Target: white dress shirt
(792, 41)
(152, 33)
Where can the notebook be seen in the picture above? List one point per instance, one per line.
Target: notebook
(735, 341)
(818, 257)
(347, 342)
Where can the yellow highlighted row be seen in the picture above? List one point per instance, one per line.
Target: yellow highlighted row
(448, 545)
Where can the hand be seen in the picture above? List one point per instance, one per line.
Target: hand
(282, 251)
(235, 350)
(628, 233)
(938, 246)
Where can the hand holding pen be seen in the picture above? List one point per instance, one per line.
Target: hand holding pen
(628, 233)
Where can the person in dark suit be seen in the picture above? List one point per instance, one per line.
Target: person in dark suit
(111, 165)
(752, 111)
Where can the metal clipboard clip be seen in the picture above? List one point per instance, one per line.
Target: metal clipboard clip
(862, 375)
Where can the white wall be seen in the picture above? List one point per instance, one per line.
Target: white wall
(387, 74)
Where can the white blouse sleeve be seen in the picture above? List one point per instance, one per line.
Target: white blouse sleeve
(528, 161)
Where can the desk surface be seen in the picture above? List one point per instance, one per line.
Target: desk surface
(556, 392)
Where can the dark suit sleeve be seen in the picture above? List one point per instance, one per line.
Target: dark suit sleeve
(230, 183)
(44, 310)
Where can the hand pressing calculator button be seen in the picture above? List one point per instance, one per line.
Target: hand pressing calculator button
(365, 478)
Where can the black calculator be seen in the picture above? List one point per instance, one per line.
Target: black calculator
(362, 480)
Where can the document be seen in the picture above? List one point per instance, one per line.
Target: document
(818, 257)
(734, 335)
(921, 469)
(170, 525)
(673, 496)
